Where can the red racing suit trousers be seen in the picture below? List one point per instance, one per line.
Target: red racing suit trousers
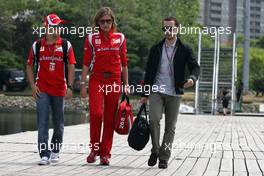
(104, 95)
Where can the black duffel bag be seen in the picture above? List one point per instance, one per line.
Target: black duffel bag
(139, 134)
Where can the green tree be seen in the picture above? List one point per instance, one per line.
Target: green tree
(256, 65)
(139, 20)
(260, 42)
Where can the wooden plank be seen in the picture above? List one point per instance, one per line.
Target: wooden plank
(141, 161)
(20, 164)
(249, 155)
(199, 167)
(259, 155)
(238, 141)
(261, 164)
(239, 165)
(94, 167)
(140, 167)
(213, 166)
(238, 154)
(59, 167)
(240, 174)
(228, 154)
(223, 173)
(253, 167)
(90, 169)
(211, 173)
(186, 167)
(226, 165)
(121, 168)
(173, 166)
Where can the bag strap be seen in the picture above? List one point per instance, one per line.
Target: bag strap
(65, 58)
(122, 41)
(125, 97)
(143, 108)
(90, 42)
(36, 49)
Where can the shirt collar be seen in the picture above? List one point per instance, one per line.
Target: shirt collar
(171, 46)
(110, 34)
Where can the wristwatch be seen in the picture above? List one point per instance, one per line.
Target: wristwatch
(69, 87)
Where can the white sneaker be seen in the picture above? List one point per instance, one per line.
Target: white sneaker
(54, 157)
(44, 161)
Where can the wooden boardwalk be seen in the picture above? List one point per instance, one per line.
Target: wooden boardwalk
(204, 145)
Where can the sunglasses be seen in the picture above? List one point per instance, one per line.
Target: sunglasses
(167, 28)
(108, 21)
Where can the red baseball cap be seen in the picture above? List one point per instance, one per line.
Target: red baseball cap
(53, 20)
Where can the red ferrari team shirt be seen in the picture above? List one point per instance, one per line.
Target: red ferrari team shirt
(105, 54)
(51, 76)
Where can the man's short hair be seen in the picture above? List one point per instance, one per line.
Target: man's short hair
(171, 18)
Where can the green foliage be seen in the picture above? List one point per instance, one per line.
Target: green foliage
(139, 20)
(260, 42)
(10, 60)
(256, 65)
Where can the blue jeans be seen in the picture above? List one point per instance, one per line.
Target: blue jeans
(44, 103)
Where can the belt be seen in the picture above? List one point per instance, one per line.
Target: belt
(106, 75)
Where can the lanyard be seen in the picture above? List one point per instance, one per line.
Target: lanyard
(172, 54)
(52, 64)
(171, 57)
(53, 52)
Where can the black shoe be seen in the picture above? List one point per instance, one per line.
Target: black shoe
(163, 164)
(153, 159)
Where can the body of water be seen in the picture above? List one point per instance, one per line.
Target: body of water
(21, 121)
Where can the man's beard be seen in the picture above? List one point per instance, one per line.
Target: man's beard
(53, 36)
(170, 37)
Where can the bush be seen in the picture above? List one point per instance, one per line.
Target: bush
(256, 67)
(11, 60)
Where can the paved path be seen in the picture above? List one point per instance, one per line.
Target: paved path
(204, 145)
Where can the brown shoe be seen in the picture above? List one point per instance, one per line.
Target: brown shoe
(104, 161)
(92, 157)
